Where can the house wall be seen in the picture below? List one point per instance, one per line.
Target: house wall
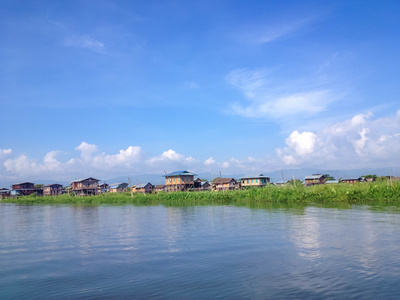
(254, 181)
(52, 190)
(181, 179)
(26, 185)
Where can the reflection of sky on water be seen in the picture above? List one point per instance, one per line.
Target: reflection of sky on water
(305, 234)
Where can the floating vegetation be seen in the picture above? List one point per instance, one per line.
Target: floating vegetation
(256, 197)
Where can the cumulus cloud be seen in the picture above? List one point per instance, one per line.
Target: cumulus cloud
(361, 141)
(88, 164)
(86, 150)
(266, 98)
(209, 161)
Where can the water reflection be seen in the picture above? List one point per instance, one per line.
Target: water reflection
(277, 251)
(305, 234)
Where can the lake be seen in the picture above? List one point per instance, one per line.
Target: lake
(199, 252)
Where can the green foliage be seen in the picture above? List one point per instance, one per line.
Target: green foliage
(328, 177)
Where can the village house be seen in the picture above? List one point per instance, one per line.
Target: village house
(314, 179)
(352, 180)
(103, 188)
(143, 188)
(118, 187)
(255, 181)
(23, 189)
(52, 189)
(84, 187)
(160, 188)
(179, 181)
(4, 193)
(331, 181)
(197, 183)
(206, 186)
(224, 184)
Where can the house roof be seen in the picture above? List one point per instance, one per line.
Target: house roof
(142, 185)
(331, 181)
(351, 178)
(84, 179)
(314, 176)
(22, 183)
(257, 176)
(160, 186)
(121, 185)
(179, 173)
(53, 184)
(223, 180)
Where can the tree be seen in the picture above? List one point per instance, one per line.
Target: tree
(294, 182)
(328, 177)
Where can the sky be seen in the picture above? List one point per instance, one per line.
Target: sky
(110, 88)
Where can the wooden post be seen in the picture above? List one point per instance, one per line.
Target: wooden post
(223, 188)
(130, 186)
(144, 192)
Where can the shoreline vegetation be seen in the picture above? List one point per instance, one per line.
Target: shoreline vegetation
(360, 193)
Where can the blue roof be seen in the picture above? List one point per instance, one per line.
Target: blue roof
(178, 173)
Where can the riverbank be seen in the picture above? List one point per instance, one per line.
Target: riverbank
(357, 193)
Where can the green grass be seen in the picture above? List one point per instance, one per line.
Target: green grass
(269, 196)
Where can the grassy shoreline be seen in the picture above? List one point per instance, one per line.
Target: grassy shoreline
(318, 194)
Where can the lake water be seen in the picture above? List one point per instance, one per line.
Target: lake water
(199, 252)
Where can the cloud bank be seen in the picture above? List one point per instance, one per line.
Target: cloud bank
(360, 142)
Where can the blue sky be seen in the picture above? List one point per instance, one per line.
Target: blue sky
(103, 88)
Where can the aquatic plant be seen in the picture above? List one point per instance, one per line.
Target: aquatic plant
(341, 192)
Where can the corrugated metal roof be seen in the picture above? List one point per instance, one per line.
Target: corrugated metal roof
(179, 173)
(142, 185)
(314, 176)
(331, 181)
(83, 179)
(223, 180)
(53, 184)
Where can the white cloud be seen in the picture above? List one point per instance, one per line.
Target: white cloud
(302, 143)
(209, 161)
(271, 32)
(86, 42)
(5, 152)
(266, 98)
(359, 142)
(355, 143)
(169, 155)
(86, 150)
(191, 85)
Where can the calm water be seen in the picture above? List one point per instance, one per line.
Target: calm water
(201, 252)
